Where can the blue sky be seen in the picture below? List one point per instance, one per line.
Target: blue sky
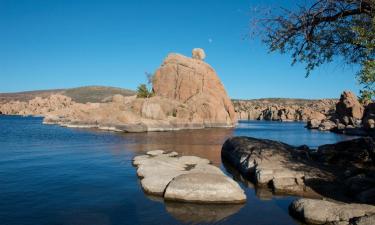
(60, 44)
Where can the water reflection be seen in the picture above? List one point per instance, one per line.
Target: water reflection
(198, 213)
(203, 143)
(55, 175)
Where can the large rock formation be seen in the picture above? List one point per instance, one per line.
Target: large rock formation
(186, 179)
(348, 109)
(188, 95)
(194, 83)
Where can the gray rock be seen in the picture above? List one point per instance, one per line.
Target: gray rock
(365, 220)
(204, 188)
(186, 179)
(314, 211)
(313, 124)
(269, 163)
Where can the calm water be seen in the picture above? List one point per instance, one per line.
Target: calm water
(53, 175)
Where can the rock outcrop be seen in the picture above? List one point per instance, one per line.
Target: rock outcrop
(342, 172)
(272, 163)
(348, 109)
(198, 53)
(186, 179)
(284, 109)
(188, 94)
(314, 211)
(348, 166)
(37, 106)
(346, 118)
(194, 83)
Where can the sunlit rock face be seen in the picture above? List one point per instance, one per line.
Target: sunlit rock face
(196, 84)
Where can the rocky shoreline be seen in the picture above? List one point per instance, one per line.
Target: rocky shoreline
(349, 117)
(284, 109)
(186, 94)
(340, 175)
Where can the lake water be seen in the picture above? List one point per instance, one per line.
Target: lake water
(51, 175)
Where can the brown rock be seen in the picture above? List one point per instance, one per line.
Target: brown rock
(349, 107)
(195, 83)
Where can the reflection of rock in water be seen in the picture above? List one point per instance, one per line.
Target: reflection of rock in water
(205, 143)
(263, 193)
(197, 213)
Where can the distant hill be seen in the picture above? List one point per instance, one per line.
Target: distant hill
(79, 94)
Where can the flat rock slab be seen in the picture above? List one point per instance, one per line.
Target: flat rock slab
(314, 211)
(271, 163)
(185, 179)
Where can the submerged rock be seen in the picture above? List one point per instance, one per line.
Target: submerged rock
(186, 179)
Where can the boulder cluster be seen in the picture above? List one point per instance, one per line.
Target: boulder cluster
(283, 109)
(188, 94)
(37, 106)
(349, 117)
(185, 179)
(334, 173)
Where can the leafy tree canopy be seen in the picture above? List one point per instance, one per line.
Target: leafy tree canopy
(315, 33)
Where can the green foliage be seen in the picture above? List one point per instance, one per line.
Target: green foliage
(144, 92)
(326, 29)
(366, 76)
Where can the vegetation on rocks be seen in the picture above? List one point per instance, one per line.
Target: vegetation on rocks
(144, 92)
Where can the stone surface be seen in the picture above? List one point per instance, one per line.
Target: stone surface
(349, 107)
(196, 84)
(271, 163)
(343, 171)
(198, 53)
(313, 124)
(365, 220)
(349, 117)
(359, 152)
(284, 109)
(324, 212)
(204, 187)
(186, 179)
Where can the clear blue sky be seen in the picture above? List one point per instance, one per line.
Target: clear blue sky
(60, 44)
